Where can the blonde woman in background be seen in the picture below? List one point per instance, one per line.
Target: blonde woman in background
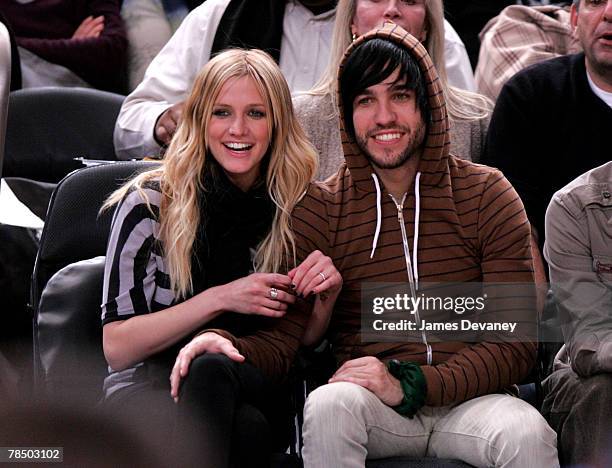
(469, 112)
(184, 242)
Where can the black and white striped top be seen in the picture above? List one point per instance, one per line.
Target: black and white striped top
(135, 278)
(136, 282)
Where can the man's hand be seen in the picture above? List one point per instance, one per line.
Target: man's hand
(90, 27)
(167, 122)
(205, 343)
(371, 373)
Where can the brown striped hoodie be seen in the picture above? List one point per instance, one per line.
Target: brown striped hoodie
(471, 227)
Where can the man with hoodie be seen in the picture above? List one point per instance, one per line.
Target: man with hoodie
(402, 210)
(578, 251)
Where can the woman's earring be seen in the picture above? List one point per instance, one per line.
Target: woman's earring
(353, 37)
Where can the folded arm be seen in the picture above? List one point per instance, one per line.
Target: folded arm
(98, 59)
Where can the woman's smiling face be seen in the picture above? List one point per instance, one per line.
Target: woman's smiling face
(238, 131)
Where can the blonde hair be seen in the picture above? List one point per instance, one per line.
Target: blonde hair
(291, 165)
(461, 104)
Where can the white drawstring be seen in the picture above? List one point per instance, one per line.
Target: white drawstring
(415, 246)
(412, 267)
(417, 216)
(378, 214)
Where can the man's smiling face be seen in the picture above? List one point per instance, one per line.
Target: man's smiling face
(389, 127)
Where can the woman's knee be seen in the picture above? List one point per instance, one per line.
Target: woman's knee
(208, 370)
(251, 429)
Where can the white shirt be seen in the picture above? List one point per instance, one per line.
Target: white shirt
(605, 96)
(305, 47)
(458, 68)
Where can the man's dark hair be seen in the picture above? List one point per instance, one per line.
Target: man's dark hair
(373, 62)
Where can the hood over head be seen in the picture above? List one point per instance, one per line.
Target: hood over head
(434, 158)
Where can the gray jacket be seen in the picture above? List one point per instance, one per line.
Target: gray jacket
(578, 249)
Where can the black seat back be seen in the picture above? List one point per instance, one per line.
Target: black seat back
(69, 334)
(48, 127)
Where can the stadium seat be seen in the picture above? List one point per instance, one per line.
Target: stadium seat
(48, 127)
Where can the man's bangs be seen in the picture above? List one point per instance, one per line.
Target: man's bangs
(370, 64)
(376, 60)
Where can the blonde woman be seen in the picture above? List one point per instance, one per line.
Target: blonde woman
(317, 111)
(184, 241)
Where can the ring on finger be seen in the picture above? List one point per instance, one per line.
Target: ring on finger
(273, 293)
(322, 275)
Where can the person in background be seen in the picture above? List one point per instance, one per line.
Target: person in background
(69, 42)
(297, 33)
(579, 255)
(521, 36)
(317, 110)
(551, 121)
(294, 32)
(184, 241)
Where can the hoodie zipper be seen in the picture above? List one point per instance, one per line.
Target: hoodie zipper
(413, 289)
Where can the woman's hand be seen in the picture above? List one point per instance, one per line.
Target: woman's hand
(318, 275)
(208, 342)
(259, 293)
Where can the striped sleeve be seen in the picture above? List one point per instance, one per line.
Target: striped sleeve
(504, 233)
(310, 224)
(489, 367)
(134, 280)
(273, 349)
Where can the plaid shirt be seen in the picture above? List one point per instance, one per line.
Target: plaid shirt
(521, 36)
